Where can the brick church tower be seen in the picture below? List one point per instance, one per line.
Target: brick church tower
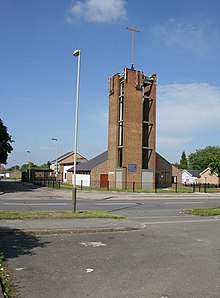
(132, 130)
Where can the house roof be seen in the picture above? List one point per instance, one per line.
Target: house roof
(193, 173)
(67, 155)
(209, 169)
(91, 164)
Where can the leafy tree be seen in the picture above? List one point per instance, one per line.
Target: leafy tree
(15, 167)
(25, 167)
(215, 164)
(5, 143)
(202, 158)
(183, 161)
(45, 165)
(177, 165)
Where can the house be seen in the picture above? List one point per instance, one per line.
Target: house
(65, 162)
(2, 172)
(208, 177)
(190, 177)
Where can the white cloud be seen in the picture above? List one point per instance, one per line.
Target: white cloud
(97, 11)
(201, 39)
(187, 114)
(188, 107)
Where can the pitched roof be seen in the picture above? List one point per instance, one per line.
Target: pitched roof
(209, 169)
(193, 173)
(67, 155)
(91, 164)
(62, 156)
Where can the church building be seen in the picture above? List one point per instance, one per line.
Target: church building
(131, 160)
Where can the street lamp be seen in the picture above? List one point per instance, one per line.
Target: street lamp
(55, 139)
(77, 54)
(29, 166)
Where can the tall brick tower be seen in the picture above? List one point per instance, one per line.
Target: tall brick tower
(132, 130)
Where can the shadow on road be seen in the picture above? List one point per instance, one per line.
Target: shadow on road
(14, 242)
(16, 186)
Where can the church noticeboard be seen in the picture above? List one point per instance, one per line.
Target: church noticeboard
(132, 167)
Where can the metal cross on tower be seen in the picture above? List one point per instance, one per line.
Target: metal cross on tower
(132, 44)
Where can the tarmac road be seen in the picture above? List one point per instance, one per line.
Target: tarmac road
(173, 255)
(162, 260)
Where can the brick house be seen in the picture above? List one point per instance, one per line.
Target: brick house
(208, 177)
(65, 162)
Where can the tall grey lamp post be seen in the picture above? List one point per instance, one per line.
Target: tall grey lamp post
(29, 167)
(77, 54)
(55, 139)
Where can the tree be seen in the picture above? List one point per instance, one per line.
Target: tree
(5, 143)
(183, 161)
(177, 165)
(215, 165)
(15, 167)
(45, 165)
(202, 158)
(25, 167)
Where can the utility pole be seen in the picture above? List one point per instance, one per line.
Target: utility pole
(132, 44)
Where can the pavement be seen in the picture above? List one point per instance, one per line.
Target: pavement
(51, 226)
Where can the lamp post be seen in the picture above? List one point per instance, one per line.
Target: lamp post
(55, 139)
(29, 167)
(77, 54)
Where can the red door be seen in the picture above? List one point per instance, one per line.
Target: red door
(103, 180)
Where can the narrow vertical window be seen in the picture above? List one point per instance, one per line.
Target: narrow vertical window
(120, 123)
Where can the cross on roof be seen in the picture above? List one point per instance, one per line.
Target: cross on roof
(132, 44)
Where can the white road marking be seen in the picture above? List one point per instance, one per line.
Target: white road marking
(19, 269)
(93, 244)
(106, 204)
(88, 270)
(37, 204)
(174, 203)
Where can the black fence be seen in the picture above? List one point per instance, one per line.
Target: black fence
(147, 187)
(49, 182)
(42, 181)
(126, 186)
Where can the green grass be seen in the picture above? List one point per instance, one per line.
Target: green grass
(5, 279)
(69, 214)
(203, 211)
(180, 189)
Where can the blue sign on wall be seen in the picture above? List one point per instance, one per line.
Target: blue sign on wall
(132, 167)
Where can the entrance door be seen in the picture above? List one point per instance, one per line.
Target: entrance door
(103, 180)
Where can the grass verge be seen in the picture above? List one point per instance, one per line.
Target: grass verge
(203, 211)
(5, 280)
(67, 214)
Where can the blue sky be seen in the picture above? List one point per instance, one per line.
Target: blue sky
(178, 40)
